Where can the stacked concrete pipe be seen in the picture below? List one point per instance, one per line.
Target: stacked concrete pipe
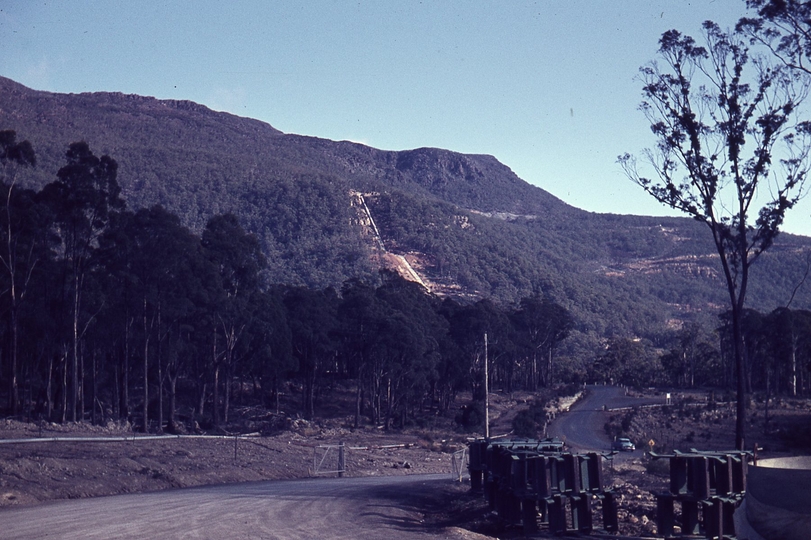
(777, 504)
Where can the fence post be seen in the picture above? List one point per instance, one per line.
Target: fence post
(341, 460)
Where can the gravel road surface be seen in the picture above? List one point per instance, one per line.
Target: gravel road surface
(377, 507)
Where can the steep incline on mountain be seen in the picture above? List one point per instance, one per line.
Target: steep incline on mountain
(465, 224)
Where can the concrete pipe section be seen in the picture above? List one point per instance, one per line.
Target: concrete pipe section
(777, 504)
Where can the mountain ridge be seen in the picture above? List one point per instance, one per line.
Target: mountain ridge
(353, 155)
(465, 221)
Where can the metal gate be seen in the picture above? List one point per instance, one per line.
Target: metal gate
(329, 459)
(459, 464)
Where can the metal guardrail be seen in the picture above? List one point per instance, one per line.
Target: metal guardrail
(135, 438)
(124, 438)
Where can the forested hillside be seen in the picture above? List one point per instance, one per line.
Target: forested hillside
(470, 226)
(109, 313)
(178, 260)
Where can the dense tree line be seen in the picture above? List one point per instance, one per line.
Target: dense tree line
(115, 313)
(777, 353)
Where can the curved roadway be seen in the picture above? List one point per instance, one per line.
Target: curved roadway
(348, 508)
(582, 427)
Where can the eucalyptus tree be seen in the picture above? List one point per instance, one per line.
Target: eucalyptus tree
(452, 369)
(403, 366)
(543, 324)
(115, 255)
(788, 336)
(163, 283)
(408, 345)
(83, 198)
(731, 153)
(238, 260)
(693, 358)
(268, 345)
(312, 319)
(479, 330)
(630, 361)
(359, 318)
(784, 27)
(21, 227)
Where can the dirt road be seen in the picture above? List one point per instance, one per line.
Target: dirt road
(385, 507)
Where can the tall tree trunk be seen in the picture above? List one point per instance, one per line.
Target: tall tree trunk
(116, 391)
(49, 387)
(172, 402)
(201, 408)
(377, 405)
(146, 373)
(358, 394)
(549, 368)
(64, 362)
(94, 395)
(14, 398)
(534, 371)
(15, 296)
(160, 371)
(737, 347)
(216, 404)
(124, 408)
(276, 392)
(75, 346)
(82, 404)
(309, 396)
(387, 421)
(228, 382)
(794, 345)
(216, 360)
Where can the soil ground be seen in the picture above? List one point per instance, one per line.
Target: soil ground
(33, 472)
(285, 447)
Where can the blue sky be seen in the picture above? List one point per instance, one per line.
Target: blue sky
(546, 87)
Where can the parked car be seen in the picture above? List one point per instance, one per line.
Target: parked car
(623, 444)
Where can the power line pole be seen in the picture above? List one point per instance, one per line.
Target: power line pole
(486, 394)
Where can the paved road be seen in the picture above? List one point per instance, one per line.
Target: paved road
(372, 507)
(582, 426)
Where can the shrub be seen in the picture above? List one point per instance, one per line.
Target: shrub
(612, 428)
(529, 422)
(525, 426)
(658, 467)
(471, 416)
(627, 419)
